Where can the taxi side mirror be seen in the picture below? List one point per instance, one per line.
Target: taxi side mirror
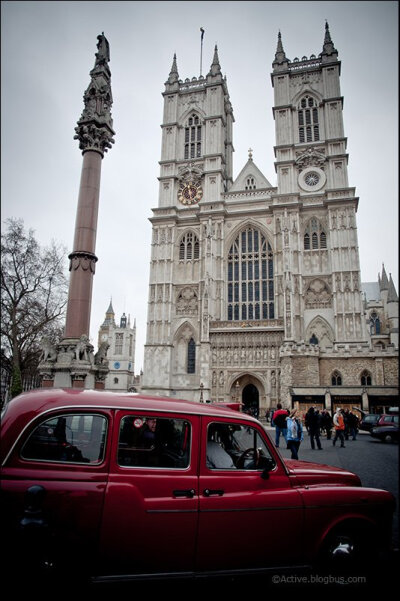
(269, 465)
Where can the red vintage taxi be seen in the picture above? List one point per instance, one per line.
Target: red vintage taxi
(125, 486)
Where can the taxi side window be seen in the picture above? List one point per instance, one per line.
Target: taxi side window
(236, 446)
(152, 441)
(68, 438)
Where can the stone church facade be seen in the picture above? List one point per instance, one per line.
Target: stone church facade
(121, 340)
(255, 291)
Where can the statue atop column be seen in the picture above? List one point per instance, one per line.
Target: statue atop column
(95, 127)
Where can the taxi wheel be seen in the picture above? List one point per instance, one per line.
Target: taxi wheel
(349, 546)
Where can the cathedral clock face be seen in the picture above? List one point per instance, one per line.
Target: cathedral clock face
(190, 193)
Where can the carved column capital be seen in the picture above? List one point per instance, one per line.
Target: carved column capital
(82, 260)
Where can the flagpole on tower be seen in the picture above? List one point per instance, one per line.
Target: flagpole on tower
(201, 48)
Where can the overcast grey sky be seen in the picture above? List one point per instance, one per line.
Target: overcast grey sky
(48, 49)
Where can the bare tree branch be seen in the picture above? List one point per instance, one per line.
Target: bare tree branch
(33, 293)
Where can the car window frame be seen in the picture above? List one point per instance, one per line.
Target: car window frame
(235, 470)
(47, 415)
(140, 413)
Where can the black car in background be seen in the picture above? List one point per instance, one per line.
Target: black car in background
(369, 421)
(386, 433)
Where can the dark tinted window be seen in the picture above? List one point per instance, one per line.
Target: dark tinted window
(151, 441)
(68, 438)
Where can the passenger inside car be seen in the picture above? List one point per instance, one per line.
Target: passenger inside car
(154, 442)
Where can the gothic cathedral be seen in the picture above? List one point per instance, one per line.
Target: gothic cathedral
(255, 291)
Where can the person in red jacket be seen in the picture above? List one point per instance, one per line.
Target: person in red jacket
(338, 422)
(279, 421)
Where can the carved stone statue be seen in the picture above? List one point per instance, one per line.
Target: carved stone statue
(103, 47)
(81, 349)
(49, 351)
(101, 354)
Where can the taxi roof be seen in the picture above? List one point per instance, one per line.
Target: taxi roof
(42, 399)
(22, 409)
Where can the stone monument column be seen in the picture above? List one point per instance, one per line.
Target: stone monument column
(76, 365)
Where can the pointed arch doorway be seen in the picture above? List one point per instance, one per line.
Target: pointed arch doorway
(251, 400)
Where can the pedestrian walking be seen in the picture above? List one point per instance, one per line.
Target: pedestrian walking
(353, 425)
(326, 423)
(294, 434)
(313, 420)
(338, 422)
(279, 421)
(345, 413)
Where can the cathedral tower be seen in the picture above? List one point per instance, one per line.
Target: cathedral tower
(319, 256)
(185, 272)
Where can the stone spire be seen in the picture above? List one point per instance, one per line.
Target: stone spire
(392, 294)
(215, 68)
(280, 62)
(95, 127)
(174, 75)
(110, 315)
(329, 51)
(384, 283)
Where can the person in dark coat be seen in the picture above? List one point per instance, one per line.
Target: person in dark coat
(352, 421)
(327, 423)
(279, 421)
(313, 420)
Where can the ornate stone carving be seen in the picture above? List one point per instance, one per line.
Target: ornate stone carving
(311, 157)
(82, 260)
(49, 351)
(245, 349)
(101, 355)
(321, 330)
(318, 295)
(187, 302)
(94, 129)
(83, 349)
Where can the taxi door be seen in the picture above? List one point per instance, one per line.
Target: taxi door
(245, 521)
(151, 502)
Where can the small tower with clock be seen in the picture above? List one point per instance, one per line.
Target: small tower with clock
(121, 352)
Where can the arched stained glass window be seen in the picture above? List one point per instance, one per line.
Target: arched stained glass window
(193, 137)
(307, 114)
(250, 278)
(314, 235)
(366, 378)
(191, 357)
(374, 323)
(189, 247)
(336, 379)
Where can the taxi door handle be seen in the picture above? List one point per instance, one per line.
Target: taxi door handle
(207, 492)
(189, 492)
